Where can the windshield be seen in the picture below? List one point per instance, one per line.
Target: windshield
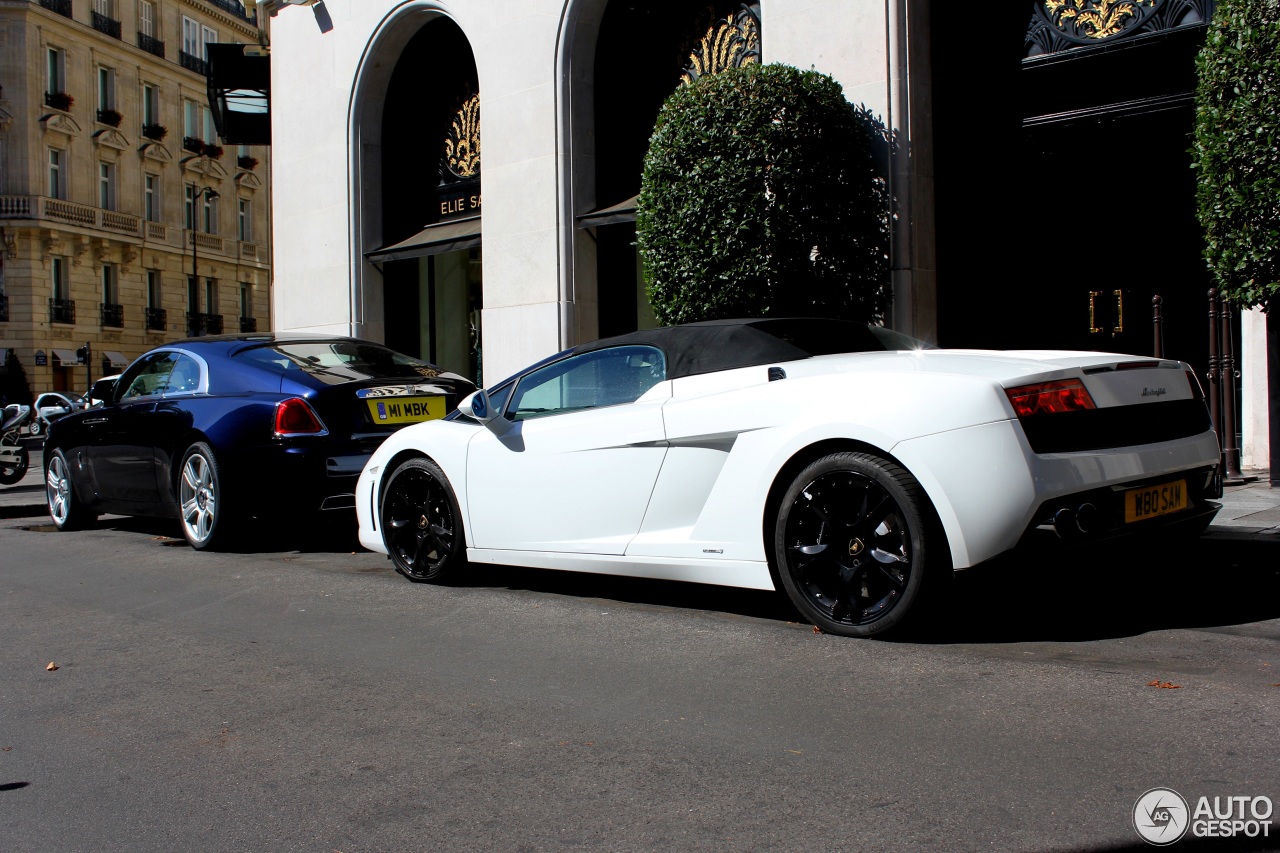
(335, 362)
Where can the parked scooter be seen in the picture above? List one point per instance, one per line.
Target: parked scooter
(14, 458)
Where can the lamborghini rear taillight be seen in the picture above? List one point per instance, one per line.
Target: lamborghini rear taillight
(295, 417)
(1063, 395)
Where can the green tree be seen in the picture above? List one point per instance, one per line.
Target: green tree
(1237, 149)
(764, 193)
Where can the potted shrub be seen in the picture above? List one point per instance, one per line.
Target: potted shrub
(154, 132)
(212, 151)
(110, 117)
(244, 161)
(59, 100)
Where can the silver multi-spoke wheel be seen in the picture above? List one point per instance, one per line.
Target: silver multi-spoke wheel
(58, 489)
(65, 509)
(199, 496)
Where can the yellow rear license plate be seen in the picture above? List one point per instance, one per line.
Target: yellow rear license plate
(1149, 502)
(406, 410)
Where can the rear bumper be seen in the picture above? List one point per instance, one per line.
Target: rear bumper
(306, 478)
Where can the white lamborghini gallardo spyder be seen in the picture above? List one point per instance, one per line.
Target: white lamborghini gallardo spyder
(847, 464)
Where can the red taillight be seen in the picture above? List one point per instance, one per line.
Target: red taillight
(1197, 393)
(1064, 395)
(295, 417)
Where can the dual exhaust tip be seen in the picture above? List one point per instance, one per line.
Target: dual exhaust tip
(1072, 523)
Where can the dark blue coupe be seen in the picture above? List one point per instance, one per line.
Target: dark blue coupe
(215, 430)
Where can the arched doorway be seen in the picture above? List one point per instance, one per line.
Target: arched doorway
(418, 177)
(639, 54)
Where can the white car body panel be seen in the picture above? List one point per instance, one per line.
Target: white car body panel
(675, 485)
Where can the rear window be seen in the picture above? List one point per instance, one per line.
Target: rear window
(335, 362)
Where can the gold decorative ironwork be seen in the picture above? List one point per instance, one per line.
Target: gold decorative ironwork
(1094, 20)
(732, 43)
(462, 145)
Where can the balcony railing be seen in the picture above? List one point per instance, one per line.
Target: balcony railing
(60, 210)
(191, 63)
(112, 315)
(151, 44)
(157, 231)
(110, 117)
(103, 24)
(58, 100)
(156, 319)
(248, 324)
(234, 8)
(4, 308)
(62, 7)
(193, 144)
(208, 242)
(204, 324)
(62, 311)
(155, 132)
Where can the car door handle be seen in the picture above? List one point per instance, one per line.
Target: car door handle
(95, 421)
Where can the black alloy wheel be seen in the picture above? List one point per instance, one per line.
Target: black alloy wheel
(421, 523)
(853, 536)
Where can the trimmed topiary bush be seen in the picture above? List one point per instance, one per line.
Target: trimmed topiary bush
(762, 195)
(1237, 149)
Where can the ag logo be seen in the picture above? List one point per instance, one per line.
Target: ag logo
(1161, 816)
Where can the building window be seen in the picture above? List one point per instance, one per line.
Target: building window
(56, 71)
(210, 131)
(191, 38)
(58, 267)
(57, 175)
(147, 18)
(189, 119)
(105, 8)
(107, 186)
(211, 296)
(150, 105)
(151, 197)
(110, 285)
(153, 289)
(209, 216)
(207, 35)
(189, 207)
(106, 88)
(244, 224)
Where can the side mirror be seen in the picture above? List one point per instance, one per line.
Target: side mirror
(476, 405)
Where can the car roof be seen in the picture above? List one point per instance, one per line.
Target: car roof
(715, 345)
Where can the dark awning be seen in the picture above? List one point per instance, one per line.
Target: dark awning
(432, 240)
(4, 353)
(623, 211)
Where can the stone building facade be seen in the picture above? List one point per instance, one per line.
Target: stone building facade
(113, 184)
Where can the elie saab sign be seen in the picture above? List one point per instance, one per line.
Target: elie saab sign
(459, 189)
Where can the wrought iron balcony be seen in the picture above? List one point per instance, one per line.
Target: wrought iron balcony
(156, 132)
(62, 7)
(234, 8)
(156, 319)
(58, 100)
(192, 63)
(193, 144)
(103, 24)
(4, 308)
(248, 324)
(110, 117)
(62, 311)
(204, 324)
(112, 315)
(151, 44)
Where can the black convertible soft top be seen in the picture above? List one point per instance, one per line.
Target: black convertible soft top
(727, 344)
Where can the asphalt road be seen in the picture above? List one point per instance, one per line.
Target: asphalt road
(312, 700)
